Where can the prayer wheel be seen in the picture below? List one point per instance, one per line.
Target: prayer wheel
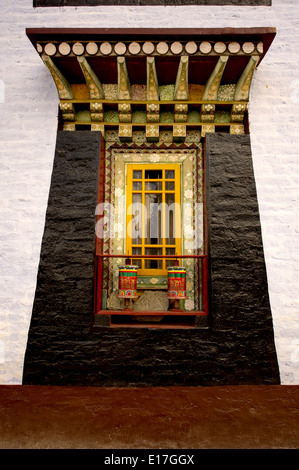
(127, 282)
(176, 283)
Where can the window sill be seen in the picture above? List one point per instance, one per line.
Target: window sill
(143, 319)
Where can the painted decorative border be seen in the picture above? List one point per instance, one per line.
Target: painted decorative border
(192, 186)
(150, 48)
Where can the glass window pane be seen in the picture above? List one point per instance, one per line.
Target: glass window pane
(170, 262)
(153, 215)
(137, 174)
(136, 219)
(170, 219)
(153, 174)
(169, 174)
(137, 262)
(153, 251)
(137, 185)
(153, 186)
(169, 185)
(137, 251)
(153, 264)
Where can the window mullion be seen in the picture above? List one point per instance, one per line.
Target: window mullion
(163, 219)
(143, 219)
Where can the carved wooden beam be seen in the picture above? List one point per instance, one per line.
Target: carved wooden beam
(153, 112)
(208, 112)
(212, 85)
(207, 129)
(179, 132)
(238, 112)
(125, 132)
(237, 129)
(152, 132)
(180, 112)
(181, 89)
(237, 118)
(96, 111)
(63, 87)
(98, 127)
(93, 83)
(124, 112)
(152, 94)
(244, 83)
(210, 94)
(152, 86)
(124, 86)
(68, 111)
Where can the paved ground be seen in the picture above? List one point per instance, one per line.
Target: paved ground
(234, 417)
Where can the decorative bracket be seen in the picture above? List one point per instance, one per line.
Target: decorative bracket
(244, 83)
(181, 91)
(152, 86)
(63, 87)
(93, 83)
(212, 85)
(124, 87)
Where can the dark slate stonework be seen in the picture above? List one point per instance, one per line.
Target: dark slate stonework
(237, 348)
(60, 3)
(238, 276)
(64, 294)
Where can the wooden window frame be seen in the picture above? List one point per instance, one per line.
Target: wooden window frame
(104, 318)
(163, 191)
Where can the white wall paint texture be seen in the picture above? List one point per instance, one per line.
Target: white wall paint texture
(28, 120)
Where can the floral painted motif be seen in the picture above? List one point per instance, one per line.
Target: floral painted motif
(166, 92)
(110, 91)
(226, 92)
(188, 194)
(154, 158)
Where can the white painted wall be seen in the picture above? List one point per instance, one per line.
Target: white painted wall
(28, 119)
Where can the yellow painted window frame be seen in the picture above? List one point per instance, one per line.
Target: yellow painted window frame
(176, 167)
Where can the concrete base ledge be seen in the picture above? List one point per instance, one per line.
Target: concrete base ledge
(231, 417)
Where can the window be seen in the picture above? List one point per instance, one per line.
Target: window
(153, 215)
(158, 222)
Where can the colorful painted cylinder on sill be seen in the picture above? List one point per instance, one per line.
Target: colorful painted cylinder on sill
(176, 283)
(127, 282)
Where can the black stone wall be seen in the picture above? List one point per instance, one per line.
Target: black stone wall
(63, 305)
(238, 275)
(238, 347)
(239, 300)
